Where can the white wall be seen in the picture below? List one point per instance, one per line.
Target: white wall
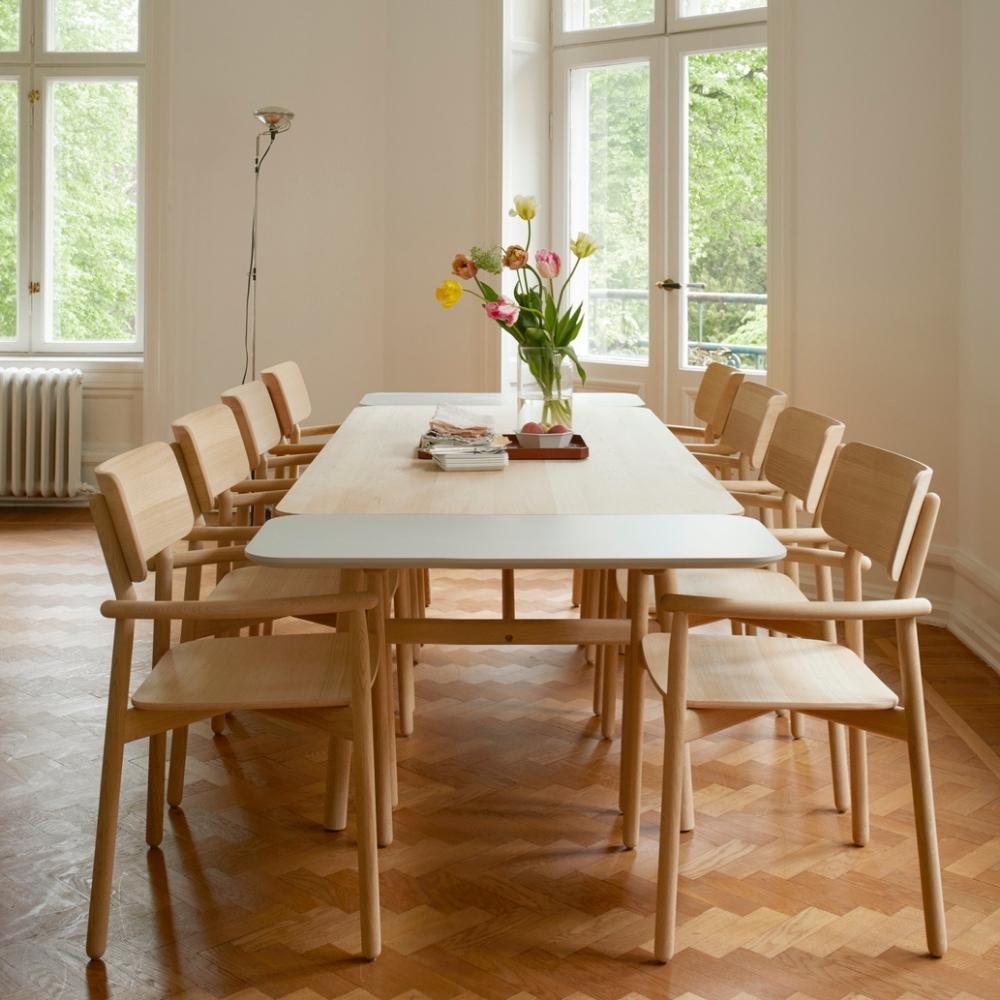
(896, 290)
(442, 187)
(977, 585)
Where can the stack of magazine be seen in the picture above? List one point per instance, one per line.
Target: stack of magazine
(461, 440)
(469, 457)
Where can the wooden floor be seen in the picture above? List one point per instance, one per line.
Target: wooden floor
(505, 879)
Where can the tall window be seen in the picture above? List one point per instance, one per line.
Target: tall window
(71, 175)
(660, 153)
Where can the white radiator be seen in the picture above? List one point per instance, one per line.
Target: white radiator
(40, 431)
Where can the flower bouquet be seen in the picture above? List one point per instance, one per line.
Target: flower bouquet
(538, 317)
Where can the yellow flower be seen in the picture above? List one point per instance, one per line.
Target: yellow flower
(448, 294)
(583, 246)
(525, 207)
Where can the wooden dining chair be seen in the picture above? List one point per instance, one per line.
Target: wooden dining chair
(739, 452)
(253, 408)
(143, 510)
(292, 404)
(712, 403)
(794, 472)
(876, 505)
(216, 462)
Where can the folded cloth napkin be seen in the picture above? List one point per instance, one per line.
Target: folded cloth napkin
(457, 422)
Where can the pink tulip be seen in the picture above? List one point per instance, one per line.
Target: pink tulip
(548, 263)
(503, 311)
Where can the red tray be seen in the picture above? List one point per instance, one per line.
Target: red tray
(576, 449)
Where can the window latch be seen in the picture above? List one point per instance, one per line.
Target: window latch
(34, 287)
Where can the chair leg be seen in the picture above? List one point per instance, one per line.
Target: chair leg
(674, 759)
(609, 700)
(577, 587)
(796, 725)
(859, 786)
(178, 762)
(923, 790)
(338, 783)
(687, 794)
(218, 724)
(404, 660)
(838, 765)
(364, 804)
(427, 588)
(104, 848)
(154, 789)
(600, 669)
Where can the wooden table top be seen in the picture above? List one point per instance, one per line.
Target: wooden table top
(636, 466)
(584, 399)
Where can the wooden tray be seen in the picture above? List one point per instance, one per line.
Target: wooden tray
(576, 449)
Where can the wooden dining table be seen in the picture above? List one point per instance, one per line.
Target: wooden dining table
(641, 503)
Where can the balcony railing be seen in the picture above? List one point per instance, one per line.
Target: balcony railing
(744, 355)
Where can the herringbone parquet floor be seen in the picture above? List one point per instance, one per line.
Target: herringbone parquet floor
(505, 880)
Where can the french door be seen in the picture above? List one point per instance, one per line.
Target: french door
(660, 153)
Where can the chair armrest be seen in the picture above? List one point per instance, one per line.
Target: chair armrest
(754, 486)
(796, 536)
(263, 610)
(221, 533)
(295, 449)
(205, 557)
(749, 499)
(704, 447)
(252, 499)
(254, 485)
(802, 611)
(284, 461)
(318, 429)
(822, 557)
(687, 430)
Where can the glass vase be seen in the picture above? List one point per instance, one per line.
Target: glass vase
(544, 387)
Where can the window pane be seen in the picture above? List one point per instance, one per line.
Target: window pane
(8, 209)
(10, 25)
(727, 208)
(695, 8)
(92, 236)
(609, 191)
(93, 26)
(583, 14)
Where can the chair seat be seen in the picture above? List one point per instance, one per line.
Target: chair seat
(736, 584)
(765, 673)
(280, 671)
(251, 583)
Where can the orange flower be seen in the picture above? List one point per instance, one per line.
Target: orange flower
(463, 267)
(515, 257)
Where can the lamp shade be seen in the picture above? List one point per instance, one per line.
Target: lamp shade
(276, 119)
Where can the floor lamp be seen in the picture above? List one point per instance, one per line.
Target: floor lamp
(276, 120)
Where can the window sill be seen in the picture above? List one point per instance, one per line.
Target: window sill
(122, 363)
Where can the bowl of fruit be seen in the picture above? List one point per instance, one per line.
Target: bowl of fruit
(535, 435)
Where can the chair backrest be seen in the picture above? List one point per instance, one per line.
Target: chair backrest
(872, 502)
(751, 421)
(149, 502)
(289, 394)
(801, 452)
(214, 452)
(258, 423)
(715, 396)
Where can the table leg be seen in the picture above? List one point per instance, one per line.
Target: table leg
(382, 723)
(404, 658)
(633, 698)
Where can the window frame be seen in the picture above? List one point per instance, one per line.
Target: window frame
(562, 36)
(35, 69)
(565, 61)
(702, 22)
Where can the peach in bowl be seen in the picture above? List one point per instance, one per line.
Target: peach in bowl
(535, 435)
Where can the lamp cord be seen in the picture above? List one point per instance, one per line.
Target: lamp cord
(252, 270)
